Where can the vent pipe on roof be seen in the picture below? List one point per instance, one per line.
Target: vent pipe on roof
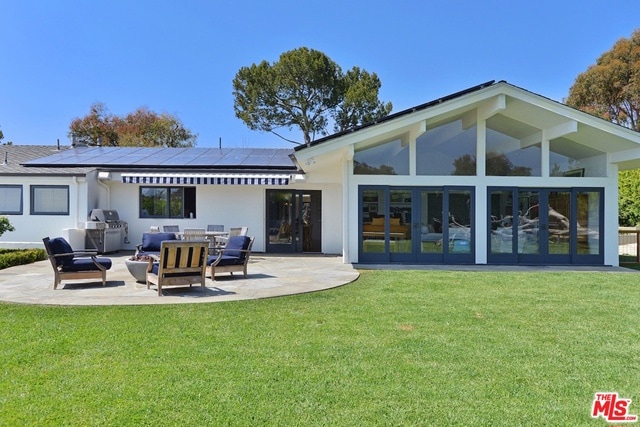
(58, 144)
(6, 158)
(220, 143)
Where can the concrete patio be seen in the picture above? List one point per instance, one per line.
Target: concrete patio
(268, 276)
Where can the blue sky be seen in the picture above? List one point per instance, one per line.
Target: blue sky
(59, 57)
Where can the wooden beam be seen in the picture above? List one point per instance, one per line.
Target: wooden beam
(563, 129)
(492, 106)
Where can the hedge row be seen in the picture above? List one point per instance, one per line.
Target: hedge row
(11, 257)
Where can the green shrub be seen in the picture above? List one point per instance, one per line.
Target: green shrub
(5, 225)
(12, 257)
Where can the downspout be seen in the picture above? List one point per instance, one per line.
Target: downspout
(74, 180)
(107, 190)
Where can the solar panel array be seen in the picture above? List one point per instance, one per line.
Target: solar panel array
(169, 157)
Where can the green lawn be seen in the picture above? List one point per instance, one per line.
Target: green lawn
(393, 348)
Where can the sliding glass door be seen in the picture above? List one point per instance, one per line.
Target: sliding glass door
(545, 226)
(294, 220)
(405, 224)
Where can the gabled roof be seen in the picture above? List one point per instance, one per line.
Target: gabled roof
(500, 101)
(399, 114)
(116, 158)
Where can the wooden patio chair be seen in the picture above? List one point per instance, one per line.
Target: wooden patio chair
(233, 257)
(233, 231)
(180, 263)
(216, 242)
(69, 264)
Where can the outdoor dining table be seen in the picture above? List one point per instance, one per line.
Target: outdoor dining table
(208, 234)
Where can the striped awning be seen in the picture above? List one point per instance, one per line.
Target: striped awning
(205, 179)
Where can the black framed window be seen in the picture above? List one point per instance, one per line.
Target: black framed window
(11, 199)
(49, 200)
(167, 202)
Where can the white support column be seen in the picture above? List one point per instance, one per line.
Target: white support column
(346, 203)
(481, 223)
(481, 192)
(611, 256)
(481, 147)
(544, 167)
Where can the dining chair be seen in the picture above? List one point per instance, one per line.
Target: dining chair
(194, 234)
(238, 231)
(216, 242)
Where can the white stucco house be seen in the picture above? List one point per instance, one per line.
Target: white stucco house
(493, 174)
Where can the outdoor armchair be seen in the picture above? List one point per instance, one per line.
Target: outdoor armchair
(69, 264)
(179, 263)
(233, 257)
(221, 241)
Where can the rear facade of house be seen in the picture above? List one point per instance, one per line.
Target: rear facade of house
(493, 174)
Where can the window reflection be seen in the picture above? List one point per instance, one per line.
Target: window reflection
(509, 149)
(389, 158)
(589, 222)
(569, 159)
(447, 149)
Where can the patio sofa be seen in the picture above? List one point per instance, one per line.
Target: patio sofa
(151, 243)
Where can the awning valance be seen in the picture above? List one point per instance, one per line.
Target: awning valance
(205, 179)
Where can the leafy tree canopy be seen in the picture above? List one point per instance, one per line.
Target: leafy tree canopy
(610, 89)
(307, 90)
(142, 128)
(2, 137)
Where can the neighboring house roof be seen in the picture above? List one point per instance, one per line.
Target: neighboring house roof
(13, 158)
(204, 159)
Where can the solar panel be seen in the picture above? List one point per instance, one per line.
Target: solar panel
(168, 157)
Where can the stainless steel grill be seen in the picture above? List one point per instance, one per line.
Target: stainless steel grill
(105, 232)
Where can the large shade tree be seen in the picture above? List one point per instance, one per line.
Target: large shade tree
(142, 128)
(610, 89)
(307, 90)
